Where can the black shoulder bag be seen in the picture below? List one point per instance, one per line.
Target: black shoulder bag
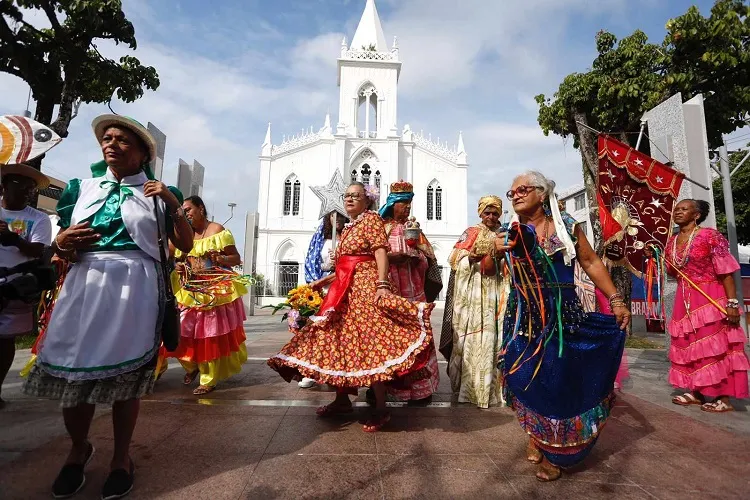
(170, 325)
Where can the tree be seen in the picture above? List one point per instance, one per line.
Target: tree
(62, 64)
(740, 188)
(699, 55)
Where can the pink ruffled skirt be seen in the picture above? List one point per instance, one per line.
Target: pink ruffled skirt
(707, 353)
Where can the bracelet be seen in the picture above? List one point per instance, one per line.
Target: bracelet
(616, 295)
(733, 304)
(61, 248)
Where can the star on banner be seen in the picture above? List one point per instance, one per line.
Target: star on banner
(656, 202)
(639, 162)
(659, 180)
(330, 195)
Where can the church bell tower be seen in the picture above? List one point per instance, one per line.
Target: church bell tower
(368, 74)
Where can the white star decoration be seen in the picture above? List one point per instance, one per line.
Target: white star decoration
(659, 180)
(615, 153)
(330, 195)
(656, 202)
(639, 162)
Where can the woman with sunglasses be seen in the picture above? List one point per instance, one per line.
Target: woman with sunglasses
(363, 335)
(476, 297)
(559, 363)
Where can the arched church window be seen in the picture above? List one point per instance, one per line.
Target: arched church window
(430, 201)
(367, 111)
(366, 173)
(438, 203)
(377, 179)
(434, 201)
(295, 197)
(287, 197)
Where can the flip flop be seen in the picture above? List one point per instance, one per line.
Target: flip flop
(686, 399)
(377, 422)
(547, 474)
(203, 389)
(717, 407)
(190, 377)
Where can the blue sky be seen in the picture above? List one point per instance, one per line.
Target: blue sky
(228, 67)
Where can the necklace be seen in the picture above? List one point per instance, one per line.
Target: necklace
(680, 262)
(544, 239)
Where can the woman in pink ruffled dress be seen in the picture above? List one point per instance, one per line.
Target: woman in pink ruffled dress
(707, 350)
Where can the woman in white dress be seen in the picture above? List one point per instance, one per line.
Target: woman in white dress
(103, 337)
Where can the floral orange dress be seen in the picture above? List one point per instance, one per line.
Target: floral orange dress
(358, 340)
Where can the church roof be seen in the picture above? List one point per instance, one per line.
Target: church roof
(370, 31)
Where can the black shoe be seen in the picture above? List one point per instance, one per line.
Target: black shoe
(370, 397)
(119, 483)
(71, 478)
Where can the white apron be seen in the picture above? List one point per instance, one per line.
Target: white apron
(104, 322)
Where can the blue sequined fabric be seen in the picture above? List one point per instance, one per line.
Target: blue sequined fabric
(562, 401)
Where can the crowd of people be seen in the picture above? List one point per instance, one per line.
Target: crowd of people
(515, 331)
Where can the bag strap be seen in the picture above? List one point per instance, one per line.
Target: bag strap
(162, 252)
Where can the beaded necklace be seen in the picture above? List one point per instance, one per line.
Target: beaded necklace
(681, 262)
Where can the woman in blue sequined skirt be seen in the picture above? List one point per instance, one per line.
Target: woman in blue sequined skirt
(559, 363)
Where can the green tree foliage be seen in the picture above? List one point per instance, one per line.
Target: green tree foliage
(62, 64)
(740, 190)
(699, 55)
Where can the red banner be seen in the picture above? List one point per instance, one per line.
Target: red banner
(636, 195)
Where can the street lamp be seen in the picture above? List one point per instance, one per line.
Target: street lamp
(231, 212)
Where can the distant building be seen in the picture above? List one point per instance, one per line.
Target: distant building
(49, 196)
(161, 145)
(190, 178)
(577, 205)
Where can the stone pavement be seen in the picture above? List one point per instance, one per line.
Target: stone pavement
(258, 437)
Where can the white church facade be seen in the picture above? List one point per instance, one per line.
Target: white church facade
(364, 145)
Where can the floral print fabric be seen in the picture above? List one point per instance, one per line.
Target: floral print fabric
(366, 340)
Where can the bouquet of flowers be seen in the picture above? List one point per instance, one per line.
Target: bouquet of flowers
(301, 302)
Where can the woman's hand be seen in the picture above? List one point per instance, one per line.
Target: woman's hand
(622, 315)
(76, 237)
(733, 315)
(157, 188)
(382, 292)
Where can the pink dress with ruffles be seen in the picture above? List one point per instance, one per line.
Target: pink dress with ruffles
(706, 352)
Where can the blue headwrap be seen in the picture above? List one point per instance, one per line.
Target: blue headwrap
(314, 259)
(393, 198)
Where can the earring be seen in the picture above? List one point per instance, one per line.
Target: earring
(547, 209)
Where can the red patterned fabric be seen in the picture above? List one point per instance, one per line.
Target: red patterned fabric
(636, 195)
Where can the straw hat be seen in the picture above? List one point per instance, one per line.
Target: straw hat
(41, 180)
(103, 122)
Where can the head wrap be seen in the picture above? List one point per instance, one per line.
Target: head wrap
(387, 209)
(489, 201)
(314, 259)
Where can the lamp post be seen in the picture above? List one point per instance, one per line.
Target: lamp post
(231, 212)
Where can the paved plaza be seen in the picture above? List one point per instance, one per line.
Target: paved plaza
(258, 437)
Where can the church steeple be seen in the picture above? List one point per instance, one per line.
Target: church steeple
(369, 33)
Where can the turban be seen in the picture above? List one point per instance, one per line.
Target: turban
(489, 201)
(387, 209)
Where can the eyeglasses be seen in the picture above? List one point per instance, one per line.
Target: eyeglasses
(351, 196)
(521, 191)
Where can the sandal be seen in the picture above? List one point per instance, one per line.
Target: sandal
(203, 389)
(377, 422)
(533, 454)
(686, 399)
(548, 473)
(718, 406)
(190, 377)
(333, 410)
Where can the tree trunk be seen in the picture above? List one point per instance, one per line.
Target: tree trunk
(67, 98)
(586, 139)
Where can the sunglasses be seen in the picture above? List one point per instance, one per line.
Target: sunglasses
(521, 191)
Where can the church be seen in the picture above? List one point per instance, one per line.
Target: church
(365, 145)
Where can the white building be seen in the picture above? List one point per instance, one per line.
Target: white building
(577, 205)
(365, 145)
